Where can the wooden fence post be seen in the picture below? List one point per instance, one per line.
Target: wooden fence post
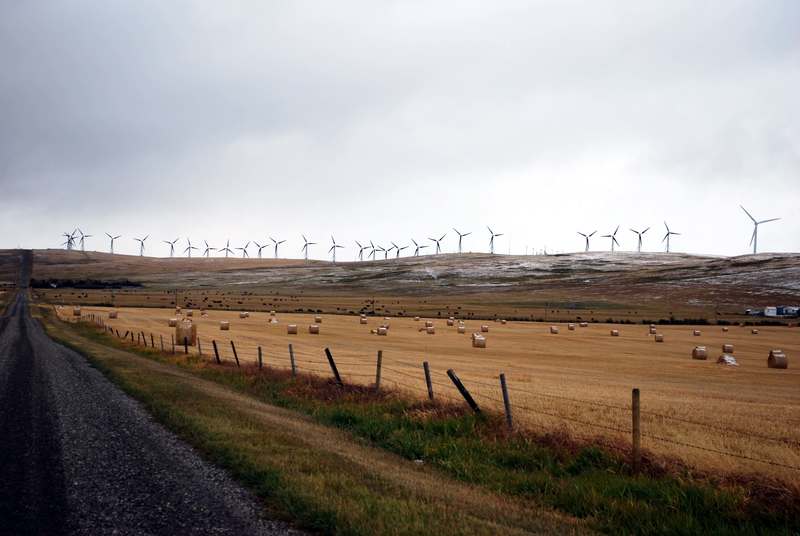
(506, 401)
(291, 358)
(235, 355)
(162, 343)
(199, 348)
(173, 343)
(428, 382)
(216, 352)
(260, 362)
(152, 344)
(463, 390)
(332, 363)
(144, 339)
(636, 430)
(186, 345)
(378, 370)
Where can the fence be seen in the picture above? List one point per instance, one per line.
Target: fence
(503, 396)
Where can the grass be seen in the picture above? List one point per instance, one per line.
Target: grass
(584, 481)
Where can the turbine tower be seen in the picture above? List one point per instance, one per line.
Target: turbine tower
(438, 243)
(492, 236)
(417, 247)
(613, 237)
(171, 246)
(141, 244)
(334, 247)
(189, 248)
(227, 249)
(112, 238)
(753, 239)
(277, 243)
(208, 249)
(666, 236)
(245, 254)
(639, 234)
(587, 237)
(460, 237)
(306, 243)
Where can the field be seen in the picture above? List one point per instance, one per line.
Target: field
(706, 415)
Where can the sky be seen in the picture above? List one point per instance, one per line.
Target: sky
(388, 121)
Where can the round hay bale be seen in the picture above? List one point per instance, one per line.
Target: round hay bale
(313, 329)
(571, 327)
(652, 331)
(652, 326)
(416, 319)
(777, 359)
(224, 325)
(584, 324)
(659, 337)
(727, 348)
(273, 320)
(272, 313)
(478, 340)
(615, 333)
(554, 330)
(450, 322)
(384, 325)
(189, 312)
(430, 330)
(112, 314)
(203, 312)
(700, 352)
(728, 360)
(696, 333)
(462, 329)
(177, 310)
(503, 321)
(373, 331)
(428, 323)
(318, 319)
(386, 318)
(362, 320)
(383, 331)
(724, 330)
(484, 329)
(754, 331)
(244, 314)
(173, 322)
(76, 311)
(291, 329)
(187, 330)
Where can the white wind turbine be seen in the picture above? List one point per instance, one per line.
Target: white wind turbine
(460, 237)
(373, 249)
(243, 249)
(141, 244)
(227, 249)
(417, 247)
(666, 236)
(83, 238)
(260, 247)
(492, 236)
(613, 237)
(639, 234)
(112, 238)
(361, 250)
(305, 248)
(754, 237)
(189, 248)
(277, 243)
(333, 248)
(398, 249)
(438, 243)
(587, 237)
(171, 246)
(208, 250)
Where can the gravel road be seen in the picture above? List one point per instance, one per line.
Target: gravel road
(78, 456)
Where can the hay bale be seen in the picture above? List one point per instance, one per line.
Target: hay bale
(362, 320)
(416, 319)
(273, 320)
(188, 330)
(700, 352)
(384, 325)
(318, 319)
(189, 312)
(430, 330)
(224, 325)
(584, 324)
(428, 323)
(313, 329)
(503, 321)
(777, 359)
(383, 331)
(450, 322)
(754, 331)
(728, 360)
(571, 327)
(659, 337)
(203, 312)
(112, 314)
(291, 329)
(554, 330)
(652, 331)
(724, 330)
(272, 313)
(696, 333)
(244, 314)
(727, 348)
(462, 329)
(478, 340)
(177, 310)
(373, 331)
(652, 326)
(76, 311)
(484, 328)
(173, 322)
(615, 333)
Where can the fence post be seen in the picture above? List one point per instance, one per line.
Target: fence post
(332, 363)
(428, 382)
(199, 348)
(637, 435)
(173, 343)
(186, 345)
(506, 401)
(216, 352)
(152, 344)
(260, 362)
(131, 336)
(463, 390)
(291, 358)
(144, 339)
(118, 334)
(235, 355)
(378, 370)
(162, 343)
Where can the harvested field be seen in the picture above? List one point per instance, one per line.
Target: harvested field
(580, 380)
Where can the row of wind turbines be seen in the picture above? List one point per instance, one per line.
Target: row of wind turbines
(77, 238)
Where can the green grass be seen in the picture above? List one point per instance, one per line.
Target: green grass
(583, 481)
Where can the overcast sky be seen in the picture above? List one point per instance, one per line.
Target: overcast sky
(392, 120)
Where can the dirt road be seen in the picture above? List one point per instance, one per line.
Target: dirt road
(78, 456)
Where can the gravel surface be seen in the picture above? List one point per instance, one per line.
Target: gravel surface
(78, 456)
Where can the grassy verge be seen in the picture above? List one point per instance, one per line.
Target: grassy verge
(580, 480)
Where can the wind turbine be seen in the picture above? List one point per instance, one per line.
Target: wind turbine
(111, 249)
(334, 247)
(379, 248)
(306, 243)
(398, 249)
(373, 250)
(417, 247)
(141, 244)
(277, 243)
(493, 235)
(666, 236)
(587, 237)
(244, 250)
(189, 248)
(613, 237)
(83, 237)
(260, 248)
(390, 249)
(361, 250)
(208, 249)
(69, 242)
(461, 236)
(639, 234)
(227, 249)
(438, 244)
(754, 238)
(171, 246)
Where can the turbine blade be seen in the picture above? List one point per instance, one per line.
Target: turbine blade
(750, 215)
(762, 221)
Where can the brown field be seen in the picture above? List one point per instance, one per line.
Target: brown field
(578, 380)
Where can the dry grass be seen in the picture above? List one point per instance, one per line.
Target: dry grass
(577, 380)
